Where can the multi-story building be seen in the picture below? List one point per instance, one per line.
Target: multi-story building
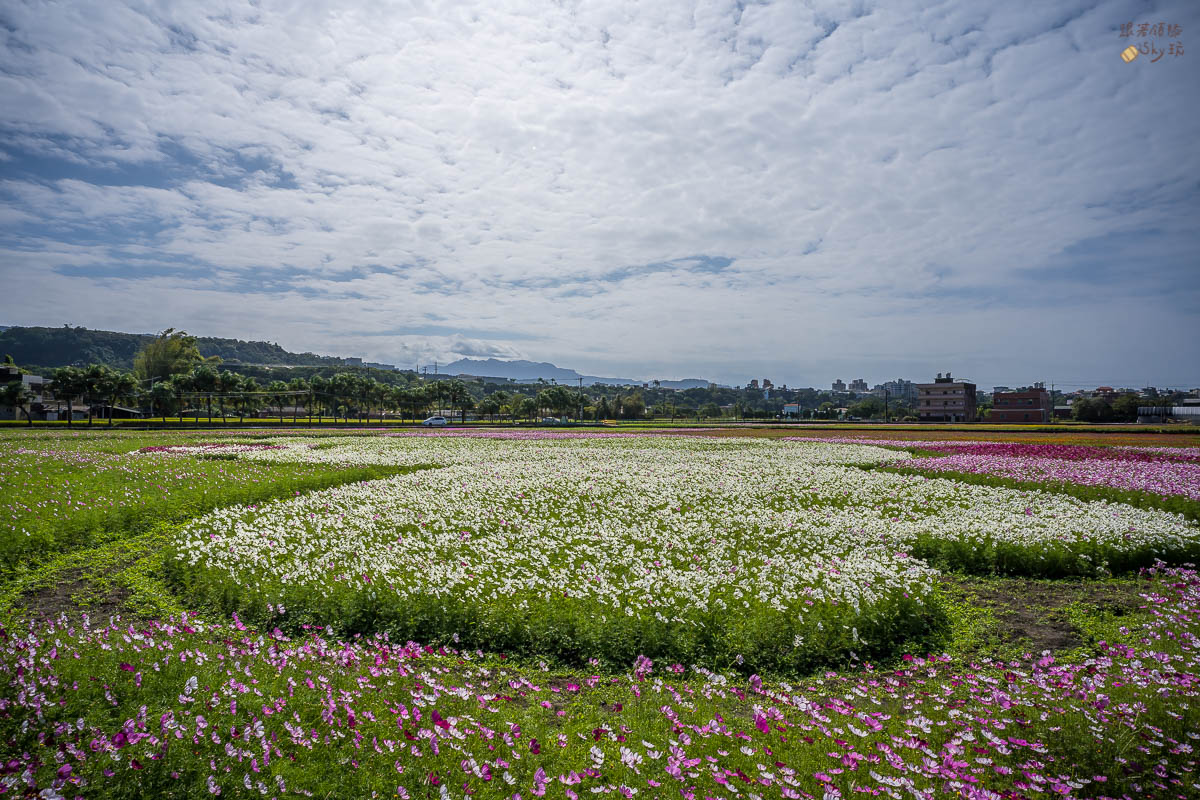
(946, 400)
(899, 389)
(839, 385)
(39, 394)
(859, 385)
(1022, 405)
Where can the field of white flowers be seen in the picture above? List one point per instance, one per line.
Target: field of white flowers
(771, 556)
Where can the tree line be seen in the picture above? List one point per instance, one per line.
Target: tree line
(173, 379)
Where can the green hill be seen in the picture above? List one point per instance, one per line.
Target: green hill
(48, 348)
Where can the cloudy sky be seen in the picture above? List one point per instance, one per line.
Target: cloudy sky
(715, 189)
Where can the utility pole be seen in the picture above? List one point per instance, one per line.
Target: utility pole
(885, 406)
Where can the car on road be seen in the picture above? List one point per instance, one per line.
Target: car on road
(549, 421)
(434, 422)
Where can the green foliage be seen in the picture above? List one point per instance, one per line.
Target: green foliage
(868, 408)
(1095, 410)
(67, 346)
(54, 504)
(169, 354)
(17, 395)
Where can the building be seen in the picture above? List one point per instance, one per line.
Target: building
(859, 385)
(839, 385)
(1022, 405)
(899, 389)
(753, 384)
(792, 410)
(37, 390)
(43, 403)
(946, 400)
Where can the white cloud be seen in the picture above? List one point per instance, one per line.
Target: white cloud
(401, 165)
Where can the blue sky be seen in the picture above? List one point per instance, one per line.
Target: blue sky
(800, 191)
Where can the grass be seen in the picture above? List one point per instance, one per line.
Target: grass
(62, 494)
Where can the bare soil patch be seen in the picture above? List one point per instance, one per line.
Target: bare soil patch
(1034, 615)
(71, 594)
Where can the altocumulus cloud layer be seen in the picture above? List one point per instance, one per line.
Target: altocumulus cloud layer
(651, 189)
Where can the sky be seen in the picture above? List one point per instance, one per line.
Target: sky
(725, 190)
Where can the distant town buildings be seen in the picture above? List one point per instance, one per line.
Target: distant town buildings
(859, 385)
(839, 385)
(1022, 405)
(946, 400)
(43, 404)
(899, 390)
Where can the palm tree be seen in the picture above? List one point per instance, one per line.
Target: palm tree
(161, 394)
(501, 397)
(342, 388)
(317, 387)
(459, 396)
(421, 399)
(204, 380)
(247, 387)
(297, 385)
(227, 383)
(277, 394)
(489, 405)
(95, 379)
(68, 384)
(183, 384)
(117, 386)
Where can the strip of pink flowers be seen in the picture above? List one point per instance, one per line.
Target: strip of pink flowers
(1158, 470)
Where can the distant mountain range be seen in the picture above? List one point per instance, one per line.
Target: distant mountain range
(532, 370)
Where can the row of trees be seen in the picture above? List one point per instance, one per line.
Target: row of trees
(1121, 409)
(94, 384)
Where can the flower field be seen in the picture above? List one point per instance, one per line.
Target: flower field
(60, 492)
(181, 709)
(779, 556)
(1165, 471)
(518, 614)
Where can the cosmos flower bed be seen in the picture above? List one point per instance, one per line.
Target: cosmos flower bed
(774, 556)
(183, 709)
(59, 493)
(1164, 471)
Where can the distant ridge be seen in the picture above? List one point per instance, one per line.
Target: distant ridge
(67, 346)
(532, 370)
